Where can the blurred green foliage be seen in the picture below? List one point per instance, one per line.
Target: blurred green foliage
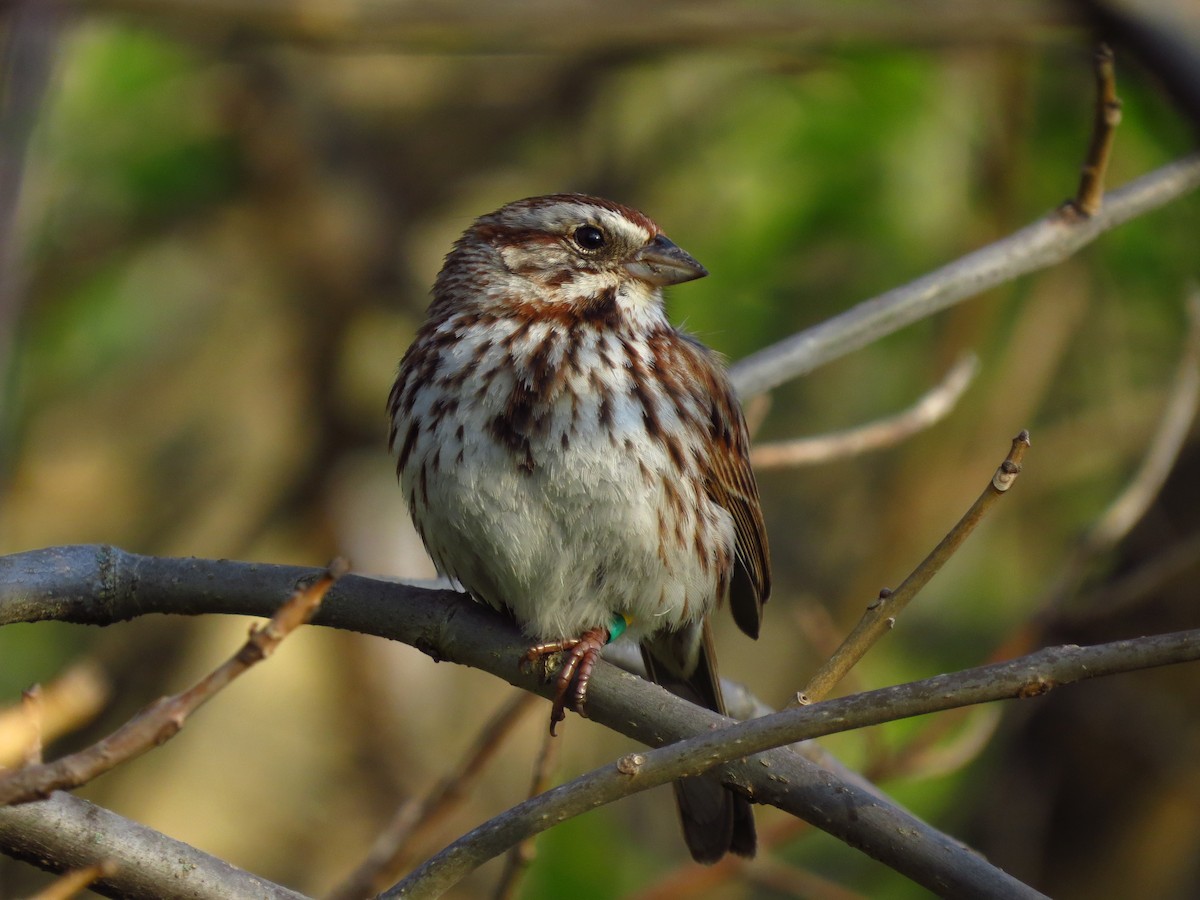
(231, 242)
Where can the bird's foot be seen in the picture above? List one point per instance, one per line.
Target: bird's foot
(571, 683)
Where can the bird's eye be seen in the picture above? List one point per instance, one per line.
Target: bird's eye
(589, 237)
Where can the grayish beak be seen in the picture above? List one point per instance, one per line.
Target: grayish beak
(661, 262)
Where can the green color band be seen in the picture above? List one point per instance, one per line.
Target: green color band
(617, 627)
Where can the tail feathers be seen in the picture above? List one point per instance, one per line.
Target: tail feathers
(715, 819)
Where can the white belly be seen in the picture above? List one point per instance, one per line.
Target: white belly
(574, 522)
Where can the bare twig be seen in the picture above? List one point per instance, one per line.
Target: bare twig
(71, 883)
(32, 711)
(161, 720)
(1164, 38)
(393, 848)
(881, 614)
(1028, 676)
(65, 833)
(930, 408)
(1090, 196)
(1049, 240)
(69, 701)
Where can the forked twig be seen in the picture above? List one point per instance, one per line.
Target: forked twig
(933, 406)
(162, 719)
(881, 613)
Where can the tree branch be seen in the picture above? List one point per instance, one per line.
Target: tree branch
(1089, 198)
(161, 720)
(65, 833)
(932, 407)
(100, 585)
(880, 614)
(1047, 241)
(1028, 676)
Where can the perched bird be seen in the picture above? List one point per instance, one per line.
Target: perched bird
(569, 456)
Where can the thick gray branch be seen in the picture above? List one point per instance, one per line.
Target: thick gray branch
(73, 833)
(1030, 675)
(101, 585)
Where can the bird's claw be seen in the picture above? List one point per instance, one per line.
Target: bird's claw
(574, 673)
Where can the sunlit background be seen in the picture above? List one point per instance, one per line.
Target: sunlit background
(226, 239)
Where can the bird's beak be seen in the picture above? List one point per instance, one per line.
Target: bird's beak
(661, 262)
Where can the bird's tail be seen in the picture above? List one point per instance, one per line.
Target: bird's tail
(716, 820)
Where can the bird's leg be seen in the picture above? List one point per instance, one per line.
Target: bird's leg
(582, 653)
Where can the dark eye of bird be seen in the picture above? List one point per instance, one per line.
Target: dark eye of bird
(589, 237)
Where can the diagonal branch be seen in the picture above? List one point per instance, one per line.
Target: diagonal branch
(102, 585)
(932, 407)
(65, 833)
(881, 613)
(1028, 676)
(162, 719)
(1047, 241)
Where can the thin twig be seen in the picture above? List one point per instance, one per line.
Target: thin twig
(33, 712)
(71, 700)
(1047, 241)
(1028, 676)
(162, 720)
(881, 613)
(393, 848)
(71, 883)
(1162, 37)
(1090, 196)
(933, 406)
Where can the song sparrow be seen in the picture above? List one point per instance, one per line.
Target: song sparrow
(569, 456)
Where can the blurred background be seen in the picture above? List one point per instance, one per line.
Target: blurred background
(227, 224)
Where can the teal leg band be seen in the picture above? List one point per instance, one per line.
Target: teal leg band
(617, 627)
